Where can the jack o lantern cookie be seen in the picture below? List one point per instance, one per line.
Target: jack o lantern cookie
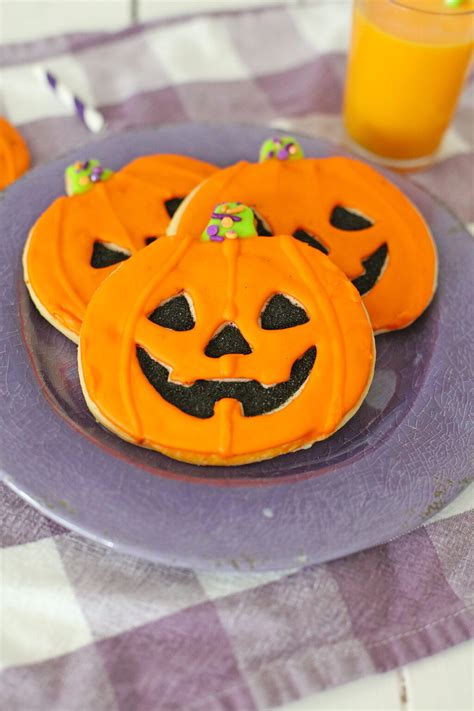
(229, 347)
(14, 154)
(341, 207)
(105, 218)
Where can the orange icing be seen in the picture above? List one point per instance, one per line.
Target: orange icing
(123, 211)
(14, 154)
(229, 281)
(300, 194)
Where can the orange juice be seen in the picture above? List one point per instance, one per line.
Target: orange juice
(406, 69)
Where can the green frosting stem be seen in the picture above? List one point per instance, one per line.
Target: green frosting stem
(281, 148)
(81, 177)
(230, 220)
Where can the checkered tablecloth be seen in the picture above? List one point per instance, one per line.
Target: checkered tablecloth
(86, 628)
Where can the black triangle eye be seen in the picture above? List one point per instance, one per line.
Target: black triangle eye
(175, 313)
(150, 240)
(282, 312)
(105, 254)
(172, 205)
(344, 218)
(309, 239)
(262, 226)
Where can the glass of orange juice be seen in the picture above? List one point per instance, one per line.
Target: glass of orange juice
(407, 66)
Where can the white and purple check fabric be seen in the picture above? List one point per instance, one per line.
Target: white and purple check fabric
(86, 628)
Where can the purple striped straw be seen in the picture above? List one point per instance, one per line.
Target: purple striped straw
(89, 116)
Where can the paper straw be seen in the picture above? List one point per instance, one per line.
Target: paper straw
(89, 116)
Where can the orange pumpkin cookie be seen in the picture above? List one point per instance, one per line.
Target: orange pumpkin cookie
(341, 207)
(227, 348)
(14, 154)
(80, 239)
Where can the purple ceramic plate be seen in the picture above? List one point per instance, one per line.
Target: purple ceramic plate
(406, 452)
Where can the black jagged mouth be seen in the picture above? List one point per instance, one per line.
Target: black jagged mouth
(199, 399)
(373, 268)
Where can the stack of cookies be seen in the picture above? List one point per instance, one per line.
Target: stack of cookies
(226, 316)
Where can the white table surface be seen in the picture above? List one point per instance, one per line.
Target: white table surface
(444, 682)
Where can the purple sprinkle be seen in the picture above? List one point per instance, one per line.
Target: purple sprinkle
(85, 165)
(283, 154)
(271, 154)
(220, 215)
(96, 173)
(212, 230)
(216, 238)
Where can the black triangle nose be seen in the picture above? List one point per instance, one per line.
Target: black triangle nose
(227, 340)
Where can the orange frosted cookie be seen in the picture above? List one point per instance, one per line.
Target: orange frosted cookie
(341, 207)
(106, 217)
(14, 155)
(227, 347)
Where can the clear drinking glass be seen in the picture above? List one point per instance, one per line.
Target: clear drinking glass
(407, 66)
